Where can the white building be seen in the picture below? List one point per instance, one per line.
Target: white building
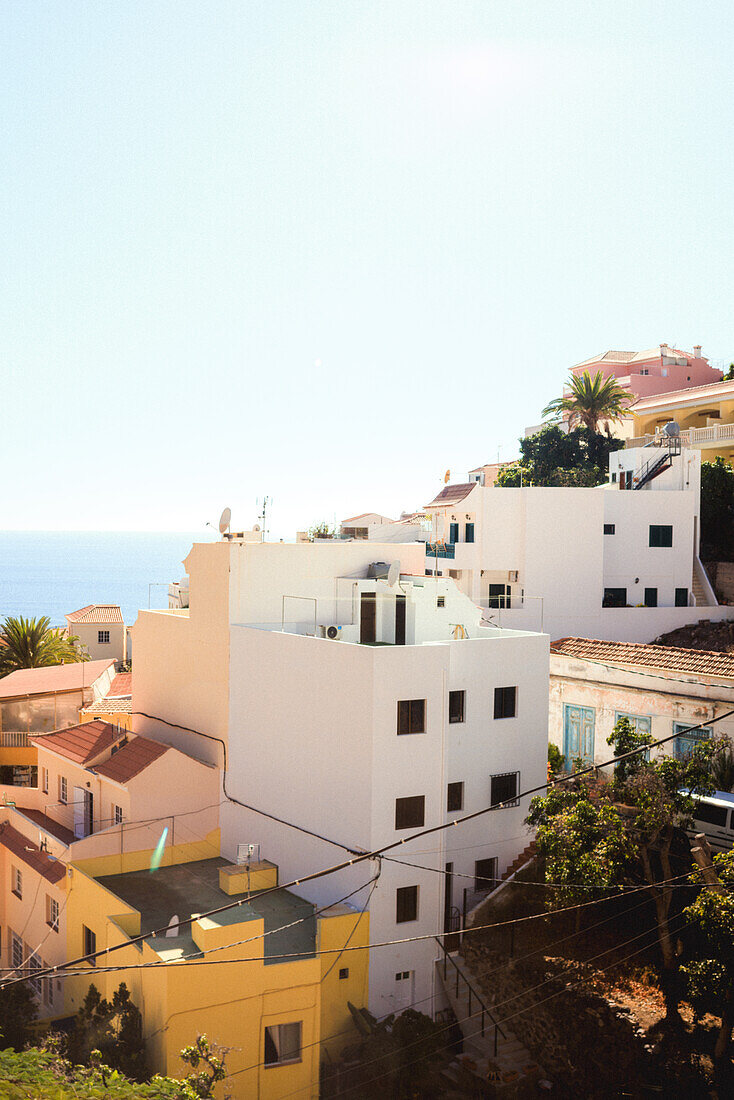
(101, 631)
(359, 703)
(594, 562)
(371, 525)
(661, 689)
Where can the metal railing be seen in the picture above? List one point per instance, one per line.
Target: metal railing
(440, 550)
(462, 978)
(712, 433)
(14, 740)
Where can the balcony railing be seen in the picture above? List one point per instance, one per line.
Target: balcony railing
(14, 740)
(713, 433)
(440, 550)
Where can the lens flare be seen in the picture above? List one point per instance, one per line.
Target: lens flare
(159, 849)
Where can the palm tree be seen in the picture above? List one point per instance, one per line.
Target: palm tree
(33, 643)
(591, 401)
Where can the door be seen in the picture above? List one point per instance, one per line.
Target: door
(499, 595)
(578, 734)
(80, 805)
(447, 896)
(453, 532)
(88, 813)
(404, 985)
(400, 620)
(368, 618)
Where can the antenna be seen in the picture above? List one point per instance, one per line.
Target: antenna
(224, 521)
(393, 574)
(262, 515)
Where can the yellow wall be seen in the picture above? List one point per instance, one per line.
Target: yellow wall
(335, 926)
(115, 717)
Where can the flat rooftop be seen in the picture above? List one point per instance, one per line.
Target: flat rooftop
(189, 889)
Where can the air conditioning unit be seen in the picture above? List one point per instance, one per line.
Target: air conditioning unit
(332, 632)
(248, 853)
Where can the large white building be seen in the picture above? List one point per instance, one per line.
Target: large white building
(599, 562)
(360, 704)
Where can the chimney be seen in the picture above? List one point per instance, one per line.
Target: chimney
(696, 351)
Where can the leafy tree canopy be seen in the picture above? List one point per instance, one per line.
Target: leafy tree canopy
(717, 510)
(34, 643)
(590, 401)
(554, 457)
(18, 1011)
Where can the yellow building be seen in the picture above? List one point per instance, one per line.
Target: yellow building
(704, 415)
(264, 978)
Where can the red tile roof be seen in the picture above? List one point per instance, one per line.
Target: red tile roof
(22, 848)
(700, 661)
(48, 824)
(81, 744)
(121, 704)
(44, 681)
(131, 759)
(452, 494)
(96, 613)
(122, 684)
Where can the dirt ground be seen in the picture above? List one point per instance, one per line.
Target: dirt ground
(714, 637)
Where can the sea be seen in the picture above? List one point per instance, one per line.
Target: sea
(55, 572)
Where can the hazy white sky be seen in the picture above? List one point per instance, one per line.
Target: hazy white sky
(326, 250)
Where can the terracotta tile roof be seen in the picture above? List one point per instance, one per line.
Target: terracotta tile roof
(48, 824)
(28, 852)
(96, 613)
(121, 704)
(372, 517)
(638, 654)
(452, 494)
(42, 681)
(131, 759)
(80, 743)
(122, 684)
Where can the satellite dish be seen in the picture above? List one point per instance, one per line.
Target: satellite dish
(393, 574)
(671, 428)
(256, 527)
(224, 521)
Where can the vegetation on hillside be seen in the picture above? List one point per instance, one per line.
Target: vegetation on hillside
(558, 458)
(717, 510)
(34, 643)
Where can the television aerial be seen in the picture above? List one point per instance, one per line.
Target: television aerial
(224, 521)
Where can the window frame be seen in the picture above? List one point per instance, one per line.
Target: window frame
(658, 539)
(459, 695)
(117, 815)
(402, 903)
(89, 940)
(612, 596)
(500, 701)
(63, 790)
(45, 777)
(52, 913)
(610, 528)
(651, 600)
(440, 601)
(456, 788)
(481, 880)
(103, 637)
(504, 803)
(269, 1063)
(414, 808)
(16, 881)
(416, 711)
(15, 947)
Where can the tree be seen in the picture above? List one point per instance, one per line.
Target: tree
(717, 509)
(204, 1057)
(34, 643)
(114, 1028)
(554, 457)
(321, 530)
(18, 1011)
(627, 832)
(709, 972)
(729, 376)
(591, 401)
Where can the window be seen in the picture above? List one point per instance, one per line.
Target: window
(614, 597)
(469, 533)
(440, 601)
(16, 877)
(456, 706)
(712, 815)
(412, 716)
(48, 990)
(651, 597)
(52, 912)
(16, 951)
(343, 973)
(503, 789)
(34, 965)
(63, 789)
(453, 532)
(505, 702)
(90, 944)
(681, 597)
(614, 477)
(103, 637)
(429, 572)
(608, 528)
(44, 780)
(661, 534)
(406, 904)
(687, 739)
(282, 1044)
(455, 797)
(402, 976)
(117, 815)
(485, 874)
(410, 813)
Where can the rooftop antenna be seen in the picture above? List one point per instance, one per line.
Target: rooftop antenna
(224, 522)
(262, 515)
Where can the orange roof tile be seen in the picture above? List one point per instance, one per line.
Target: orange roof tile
(81, 744)
(121, 704)
(452, 494)
(97, 613)
(44, 681)
(122, 684)
(48, 824)
(131, 759)
(22, 848)
(639, 654)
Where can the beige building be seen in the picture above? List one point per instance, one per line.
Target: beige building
(101, 630)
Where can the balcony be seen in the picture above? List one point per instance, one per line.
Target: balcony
(709, 436)
(440, 550)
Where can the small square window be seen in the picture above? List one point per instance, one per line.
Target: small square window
(608, 528)
(457, 700)
(406, 907)
(410, 813)
(17, 880)
(412, 716)
(505, 702)
(282, 1044)
(90, 944)
(661, 534)
(343, 973)
(503, 789)
(402, 976)
(103, 637)
(485, 874)
(454, 797)
(440, 601)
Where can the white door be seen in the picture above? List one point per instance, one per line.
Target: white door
(404, 986)
(79, 814)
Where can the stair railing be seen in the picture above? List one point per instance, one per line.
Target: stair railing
(472, 993)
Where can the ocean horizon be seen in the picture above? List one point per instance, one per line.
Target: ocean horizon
(55, 572)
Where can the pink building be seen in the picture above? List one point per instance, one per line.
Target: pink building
(657, 370)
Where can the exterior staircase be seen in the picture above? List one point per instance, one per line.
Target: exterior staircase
(493, 1061)
(525, 856)
(698, 592)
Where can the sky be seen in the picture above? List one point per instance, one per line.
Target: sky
(325, 251)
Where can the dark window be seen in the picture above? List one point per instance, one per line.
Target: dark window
(651, 597)
(343, 973)
(282, 1044)
(455, 797)
(614, 597)
(485, 874)
(713, 815)
(410, 813)
(456, 706)
(90, 943)
(681, 597)
(661, 534)
(406, 904)
(103, 637)
(469, 533)
(499, 595)
(608, 528)
(440, 601)
(411, 716)
(503, 788)
(368, 618)
(453, 532)
(614, 478)
(429, 572)
(505, 702)
(400, 620)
